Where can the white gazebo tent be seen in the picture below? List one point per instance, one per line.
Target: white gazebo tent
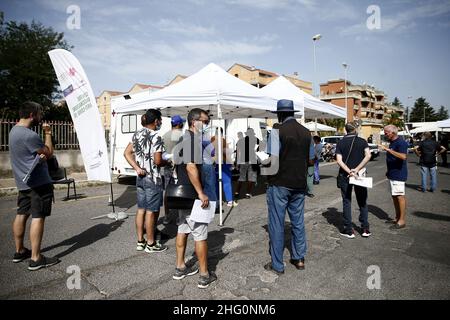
(444, 124)
(431, 127)
(314, 126)
(282, 88)
(211, 88)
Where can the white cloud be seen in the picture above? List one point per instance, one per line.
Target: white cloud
(178, 27)
(261, 4)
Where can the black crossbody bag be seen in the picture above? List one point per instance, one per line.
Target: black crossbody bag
(342, 178)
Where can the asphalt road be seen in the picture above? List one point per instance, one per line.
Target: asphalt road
(412, 263)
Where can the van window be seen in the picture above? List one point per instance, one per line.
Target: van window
(129, 123)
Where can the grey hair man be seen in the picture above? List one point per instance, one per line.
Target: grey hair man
(397, 172)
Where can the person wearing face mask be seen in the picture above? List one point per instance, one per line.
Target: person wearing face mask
(144, 154)
(36, 192)
(208, 171)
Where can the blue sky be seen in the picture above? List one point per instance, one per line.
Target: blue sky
(150, 42)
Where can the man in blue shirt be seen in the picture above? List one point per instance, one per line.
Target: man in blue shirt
(397, 172)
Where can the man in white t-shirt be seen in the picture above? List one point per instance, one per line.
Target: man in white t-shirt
(144, 154)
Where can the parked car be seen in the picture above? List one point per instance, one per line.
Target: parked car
(333, 140)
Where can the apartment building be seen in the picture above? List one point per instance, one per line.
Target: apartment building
(364, 103)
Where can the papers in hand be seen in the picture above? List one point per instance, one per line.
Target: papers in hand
(33, 165)
(361, 180)
(262, 156)
(206, 215)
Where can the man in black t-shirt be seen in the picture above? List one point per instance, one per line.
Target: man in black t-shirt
(188, 171)
(352, 154)
(427, 150)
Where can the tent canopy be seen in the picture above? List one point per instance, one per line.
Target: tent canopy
(311, 126)
(205, 89)
(431, 127)
(444, 123)
(282, 88)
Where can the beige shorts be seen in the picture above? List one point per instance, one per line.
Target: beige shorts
(397, 187)
(185, 225)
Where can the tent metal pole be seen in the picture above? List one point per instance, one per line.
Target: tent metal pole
(219, 116)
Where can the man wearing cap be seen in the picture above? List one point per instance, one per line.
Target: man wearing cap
(287, 188)
(171, 138)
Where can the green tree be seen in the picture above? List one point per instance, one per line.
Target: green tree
(442, 114)
(396, 120)
(421, 107)
(397, 102)
(26, 72)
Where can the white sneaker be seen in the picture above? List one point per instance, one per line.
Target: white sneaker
(248, 195)
(349, 235)
(232, 203)
(140, 246)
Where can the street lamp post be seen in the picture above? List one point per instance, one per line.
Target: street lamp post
(409, 106)
(315, 38)
(345, 65)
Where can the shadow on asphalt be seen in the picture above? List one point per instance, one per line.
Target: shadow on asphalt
(126, 199)
(216, 241)
(72, 197)
(445, 191)
(334, 217)
(323, 177)
(412, 186)
(287, 236)
(431, 216)
(85, 238)
(379, 213)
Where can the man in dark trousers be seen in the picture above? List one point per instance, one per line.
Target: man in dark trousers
(428, 150)
(35, 193)
(287, 188)
(352, 154)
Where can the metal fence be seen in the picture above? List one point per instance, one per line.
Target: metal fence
(63, 134)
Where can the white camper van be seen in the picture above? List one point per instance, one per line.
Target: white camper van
(124, 125)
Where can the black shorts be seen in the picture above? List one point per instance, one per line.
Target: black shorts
(36, 202)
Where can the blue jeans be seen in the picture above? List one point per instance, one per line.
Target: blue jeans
(280, 199)
(424, 173)
(209, 181)
(227, 183)
(149, 194)
(316, 171)
(310, 179)
(361, 198)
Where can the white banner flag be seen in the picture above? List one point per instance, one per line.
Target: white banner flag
(83, 108)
